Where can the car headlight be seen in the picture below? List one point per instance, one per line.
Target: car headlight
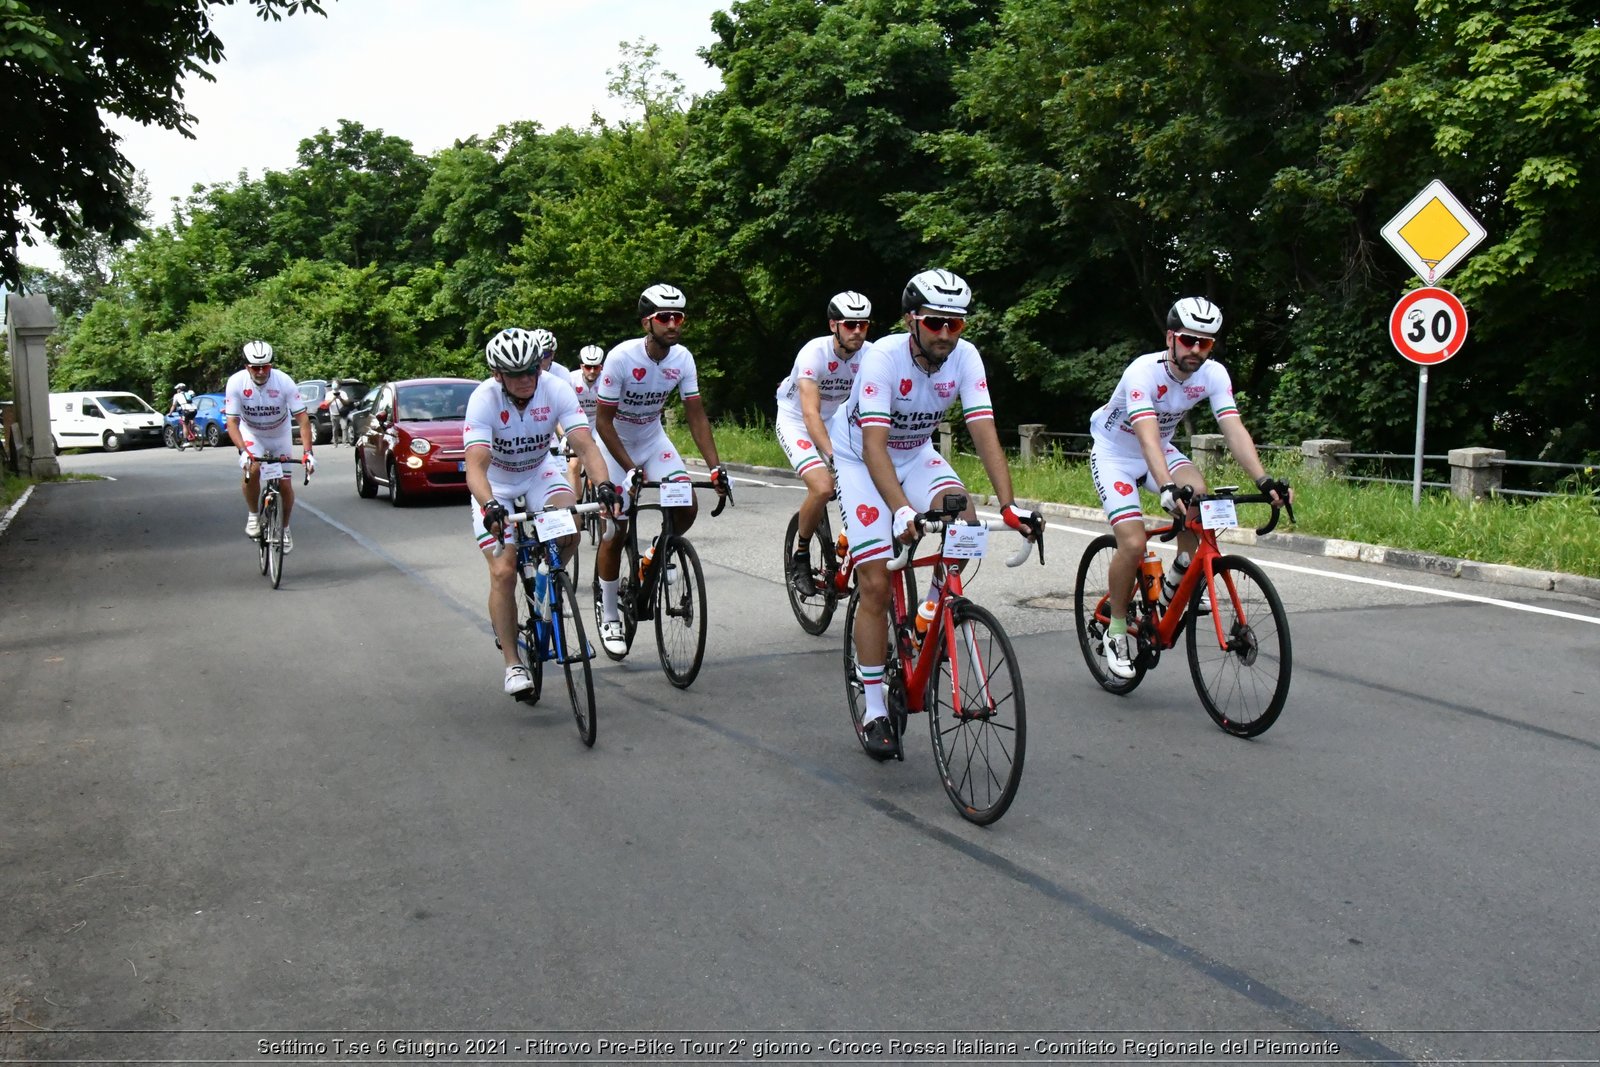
(421, 446)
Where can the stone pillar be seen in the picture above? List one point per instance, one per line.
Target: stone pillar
(1032, 434)
(1325, 455)
(1475, 472)
(29, 320)
(1207, 450)
(946, 438)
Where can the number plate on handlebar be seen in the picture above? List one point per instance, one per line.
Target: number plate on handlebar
(553, 524)
(272, 471)
(965, 542)
(677, 495)
(1218, 514)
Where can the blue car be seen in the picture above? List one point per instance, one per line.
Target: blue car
(209, 422)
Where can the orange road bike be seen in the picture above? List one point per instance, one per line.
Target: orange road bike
(963, 671)
(1239, 653)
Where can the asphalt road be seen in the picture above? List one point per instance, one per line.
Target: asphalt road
(237, 816)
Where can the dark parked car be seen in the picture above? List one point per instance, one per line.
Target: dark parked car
(359, 417)
(413, 443)
(209, 421)
(317, 393)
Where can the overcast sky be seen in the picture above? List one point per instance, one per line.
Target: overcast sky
(429, 71)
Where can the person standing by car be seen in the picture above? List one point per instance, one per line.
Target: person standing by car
(511, 421)
(258, 402)
(336, 404)
(817, 384)
(638, 377)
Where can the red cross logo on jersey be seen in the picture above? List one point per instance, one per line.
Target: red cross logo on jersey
(1136, 395)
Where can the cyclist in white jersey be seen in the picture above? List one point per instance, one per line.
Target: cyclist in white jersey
(888, 468)
(258, 402)
(585, 379)
(638, 378)
(183, 403)
(817, 384)
(1133, 446)
(511, 420)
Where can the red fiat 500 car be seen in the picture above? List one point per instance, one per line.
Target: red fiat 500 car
(413, 442)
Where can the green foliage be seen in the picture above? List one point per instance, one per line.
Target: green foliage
(64, 63)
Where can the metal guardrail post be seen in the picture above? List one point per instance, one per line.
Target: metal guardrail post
(1476, 472)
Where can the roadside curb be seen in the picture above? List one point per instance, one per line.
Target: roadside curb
(1329, 547)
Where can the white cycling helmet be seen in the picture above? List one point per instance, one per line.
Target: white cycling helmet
(511, 350)
(180, 387)
(545, 342)
(257, 353)
(661, 297)
(937, 290)
(849, 305)
(591, 355)
(1195, 314)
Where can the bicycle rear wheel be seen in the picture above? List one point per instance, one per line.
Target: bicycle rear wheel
(1239, 655)
(273, 521)
(893, 684)
(813, 612)
(680, 611)
(1090, 607)
(572, 648)
(976, 714)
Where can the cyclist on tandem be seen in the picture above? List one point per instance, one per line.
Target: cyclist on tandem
(511, 420)
(887, 466)
(1133, 446)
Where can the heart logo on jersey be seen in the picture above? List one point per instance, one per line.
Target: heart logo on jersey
(867, 514)
(248, 392)
(905, 386)
(1161, 391)
(803, 443)
(1123, 487)
(505, 417)
(833, 365)
(638, 374)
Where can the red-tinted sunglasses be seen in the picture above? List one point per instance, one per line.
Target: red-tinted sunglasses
(854, 324)
(1196, 342)
(668, 318)
(941, 323)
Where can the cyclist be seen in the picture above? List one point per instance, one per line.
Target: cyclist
(258, 403)
(817, 384)
(183, 403)
(511, 420)
(887, 466)
(639, 376)
(585, 380)
(1133, 446)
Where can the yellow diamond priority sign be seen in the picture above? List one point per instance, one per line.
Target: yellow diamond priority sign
(1434, 232)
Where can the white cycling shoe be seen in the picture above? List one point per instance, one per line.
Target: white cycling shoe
(1118, 661)
(614, 638)
(252, 526)
(517, 680)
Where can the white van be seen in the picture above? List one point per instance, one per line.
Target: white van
(102, 420)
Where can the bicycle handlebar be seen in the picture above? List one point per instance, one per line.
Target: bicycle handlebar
(936, 521)
(529, 516)
(283, 459)
(723, 498)
(1181, 522)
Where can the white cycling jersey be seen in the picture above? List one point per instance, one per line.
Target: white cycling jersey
(263, 409)
(1149, 390)
(818, 362)
(890, 390)
(638, 387)
(519, 439)
(588, 395)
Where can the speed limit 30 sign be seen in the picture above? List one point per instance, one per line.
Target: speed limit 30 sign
(1428, 325)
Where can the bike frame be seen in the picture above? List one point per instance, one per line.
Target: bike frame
(644, 592)
(549, 641)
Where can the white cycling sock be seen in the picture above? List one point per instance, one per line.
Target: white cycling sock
(872, 686)
(608, 599)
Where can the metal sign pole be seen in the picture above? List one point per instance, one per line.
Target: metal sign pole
(1422, 415)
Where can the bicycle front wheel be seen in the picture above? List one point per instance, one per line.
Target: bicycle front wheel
(1239, 655)
(814, 611)
(531, 641)
(1090, 606)
(273, 521)
(680, 612)
(572, 648)
(976, 714)
(263, 531)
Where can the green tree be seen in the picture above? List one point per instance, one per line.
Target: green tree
(63, 65)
